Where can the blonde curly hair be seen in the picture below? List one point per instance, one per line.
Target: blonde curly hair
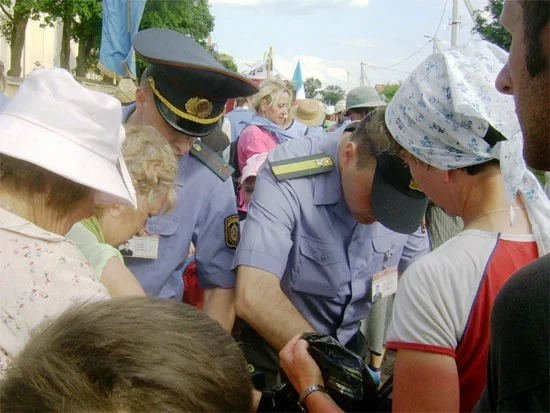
(271, 90)
(152, 165)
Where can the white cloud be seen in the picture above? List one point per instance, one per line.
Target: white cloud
(361, 42)
(295, 4)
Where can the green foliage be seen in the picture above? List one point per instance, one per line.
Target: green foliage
(13, 10)
(332, 94)
(489, 27)
(191, 17)
(311, 87)
(229, 64)
(539, 174)
(390, 90)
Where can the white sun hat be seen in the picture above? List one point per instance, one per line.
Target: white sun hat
(74, 132)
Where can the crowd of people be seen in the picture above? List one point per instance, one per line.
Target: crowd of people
(412, 225)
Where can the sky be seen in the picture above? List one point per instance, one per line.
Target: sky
(331, 38)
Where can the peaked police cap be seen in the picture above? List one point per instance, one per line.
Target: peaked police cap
(190, 86)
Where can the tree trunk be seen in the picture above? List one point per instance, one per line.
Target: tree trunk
(84, 47)
(17, 42)
(65, 52)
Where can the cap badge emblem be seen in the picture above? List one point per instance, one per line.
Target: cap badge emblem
(201, 108)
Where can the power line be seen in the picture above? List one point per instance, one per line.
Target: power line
(441, 19)
(422, 48)
(405, 59)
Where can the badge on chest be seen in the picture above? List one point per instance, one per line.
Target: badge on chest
(384, 283)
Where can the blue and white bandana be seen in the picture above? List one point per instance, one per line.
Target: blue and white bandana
(443, 110)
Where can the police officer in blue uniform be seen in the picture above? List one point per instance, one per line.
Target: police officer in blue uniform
(309, 251)
(182, 94)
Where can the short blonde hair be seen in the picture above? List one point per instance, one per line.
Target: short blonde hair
(152, 165)
(271, 91)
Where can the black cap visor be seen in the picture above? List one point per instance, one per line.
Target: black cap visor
(396, 202)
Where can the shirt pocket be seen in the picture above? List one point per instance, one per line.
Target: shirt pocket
(162, 225)
(386, 248)
(319, 269)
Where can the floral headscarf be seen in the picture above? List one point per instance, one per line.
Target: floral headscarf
(443, 110)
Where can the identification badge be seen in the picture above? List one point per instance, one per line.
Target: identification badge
(140, 247)
(384, 283)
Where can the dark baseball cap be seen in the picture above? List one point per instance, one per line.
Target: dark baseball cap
(397, 201)
(190, 86)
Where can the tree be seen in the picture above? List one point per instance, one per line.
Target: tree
(13, 23)
(311, 87)
(81, 22)
(488, 25)
(332, 94)
(190, 17)
(390, 90)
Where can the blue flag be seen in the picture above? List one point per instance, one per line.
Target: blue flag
(299, 82)
(120, 23)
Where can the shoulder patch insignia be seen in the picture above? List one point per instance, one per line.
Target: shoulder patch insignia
(302, 166)
(211, 159)
(232, 231)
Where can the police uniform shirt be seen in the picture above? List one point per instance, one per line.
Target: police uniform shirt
(302, 231)
(204, 205)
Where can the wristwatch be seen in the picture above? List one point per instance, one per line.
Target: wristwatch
(307, 392)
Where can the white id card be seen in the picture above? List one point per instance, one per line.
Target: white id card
(384, 283)
(140, 247)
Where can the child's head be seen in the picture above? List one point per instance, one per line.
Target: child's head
(129, 355)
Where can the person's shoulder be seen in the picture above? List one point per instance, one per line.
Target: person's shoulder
(201, 154)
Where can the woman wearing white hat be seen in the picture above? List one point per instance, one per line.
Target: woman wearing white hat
(59, 154)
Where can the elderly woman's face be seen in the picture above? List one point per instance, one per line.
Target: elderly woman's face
(277, 112)
(132, 221)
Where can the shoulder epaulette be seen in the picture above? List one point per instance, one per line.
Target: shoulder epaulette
(302, 166)
(211, 159)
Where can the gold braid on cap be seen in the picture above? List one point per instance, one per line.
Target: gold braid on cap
(198, 108)
(414, 185)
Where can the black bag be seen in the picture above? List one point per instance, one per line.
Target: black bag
(346, 379)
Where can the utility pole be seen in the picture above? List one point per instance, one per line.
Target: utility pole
(454, 24)
(471, 9)
(435, 45)
(364, 75)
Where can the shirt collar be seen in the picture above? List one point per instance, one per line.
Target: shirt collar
(14, 223)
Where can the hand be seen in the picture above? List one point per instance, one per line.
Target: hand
(299, 366)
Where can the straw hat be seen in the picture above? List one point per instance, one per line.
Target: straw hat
(59, 125)
(329, 110)
(340, 106)
(126, 91)
(308, 111)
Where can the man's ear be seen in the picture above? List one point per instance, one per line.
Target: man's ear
(141, 97)
(348, 154)
(115, 210)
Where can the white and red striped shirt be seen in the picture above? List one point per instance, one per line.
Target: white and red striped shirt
(444, 301)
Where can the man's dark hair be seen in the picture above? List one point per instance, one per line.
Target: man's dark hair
(535, 17)
(128, 355)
